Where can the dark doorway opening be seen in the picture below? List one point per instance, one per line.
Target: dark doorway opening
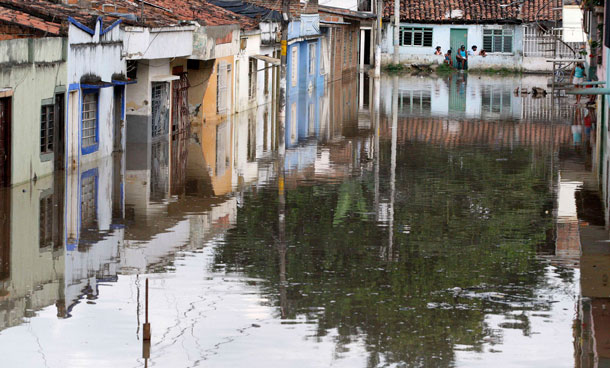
(5, 141)
(59, 136)
(367, 47)
(119, 108)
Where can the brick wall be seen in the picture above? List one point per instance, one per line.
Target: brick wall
(295, 5)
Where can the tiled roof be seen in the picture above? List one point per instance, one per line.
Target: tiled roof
(26, 20)
(345, 12)
(475, 11)
(203, 12)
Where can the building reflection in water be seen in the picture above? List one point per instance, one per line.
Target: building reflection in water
(132, 214)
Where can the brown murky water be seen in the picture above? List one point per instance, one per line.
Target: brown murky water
(440, 225)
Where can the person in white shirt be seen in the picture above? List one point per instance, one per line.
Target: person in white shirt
(473, 51)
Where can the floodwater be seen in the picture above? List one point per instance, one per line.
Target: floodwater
(427, 223)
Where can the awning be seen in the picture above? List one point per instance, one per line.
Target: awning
(96, 85)
(123, 82)
(267, 59)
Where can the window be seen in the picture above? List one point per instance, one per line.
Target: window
(410, 36)
(253, 74)
(312, 120)
(266, 83)
(293, 123)
(498, 40)
(47, 117)
(88, 205)
(46, 221)
(312, 58)
(89, 119)
(414, 102)
(222, 88)
(294, 65)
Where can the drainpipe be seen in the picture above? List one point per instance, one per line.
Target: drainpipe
(378, 39)
(396, 31)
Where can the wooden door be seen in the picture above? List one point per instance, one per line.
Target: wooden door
(5, 142)
(458, 38)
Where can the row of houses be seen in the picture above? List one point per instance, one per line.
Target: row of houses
(80, 80)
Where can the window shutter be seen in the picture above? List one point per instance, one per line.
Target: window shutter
(221, 97)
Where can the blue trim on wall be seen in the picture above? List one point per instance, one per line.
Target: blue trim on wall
(116, 23)
(81, 26)
(74, 86)
(93, 148)
(123, 83)
(96, 86)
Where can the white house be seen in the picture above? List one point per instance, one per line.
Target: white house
(509, 32)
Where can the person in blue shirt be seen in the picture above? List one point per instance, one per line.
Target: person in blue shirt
(462, 58)
(578, 78)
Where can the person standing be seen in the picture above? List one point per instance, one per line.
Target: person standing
(438, 51)
(473, 51)
(578, 78)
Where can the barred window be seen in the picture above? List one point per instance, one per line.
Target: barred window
(253, 71)
(88, 201)
(312, 58)
(46, 221)
(411, 36)
(89, 120)
(47, 118)
(498, 40)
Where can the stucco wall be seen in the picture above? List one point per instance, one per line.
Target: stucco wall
(215, 42)
(32, 77)
(441, 36)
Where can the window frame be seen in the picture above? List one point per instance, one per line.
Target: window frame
(294, 61)
(47, 110)
(490, 32)
(252, 78)
(416, 30)
(93, 147)
(312, 57)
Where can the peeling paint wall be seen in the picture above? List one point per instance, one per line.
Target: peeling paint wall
(158, 43)
(32, 69)
(215, 42)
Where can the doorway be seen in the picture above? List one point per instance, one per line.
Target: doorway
(367, 47)
(458, 38)
(59, 136)
(5, 141)
(118, 119)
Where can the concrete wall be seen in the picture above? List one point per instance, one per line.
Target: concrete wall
(33, 70)
(96, 55)
(158, 43)
(441, 36)
(215, 42)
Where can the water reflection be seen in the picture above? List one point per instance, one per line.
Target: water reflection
(432, 222)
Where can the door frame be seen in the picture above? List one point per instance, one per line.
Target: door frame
(6, 176)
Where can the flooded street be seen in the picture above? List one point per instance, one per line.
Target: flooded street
(425, 222)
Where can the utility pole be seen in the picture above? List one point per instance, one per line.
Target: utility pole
(283, 76)
(378, 39)
(396, 31)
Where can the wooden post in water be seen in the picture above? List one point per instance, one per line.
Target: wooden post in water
(146, 324)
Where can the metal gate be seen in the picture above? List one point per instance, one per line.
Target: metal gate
(160, 108)
(180, 112)
(5, 142)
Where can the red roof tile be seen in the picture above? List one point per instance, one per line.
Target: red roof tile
(26, 20)
(475, 11)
